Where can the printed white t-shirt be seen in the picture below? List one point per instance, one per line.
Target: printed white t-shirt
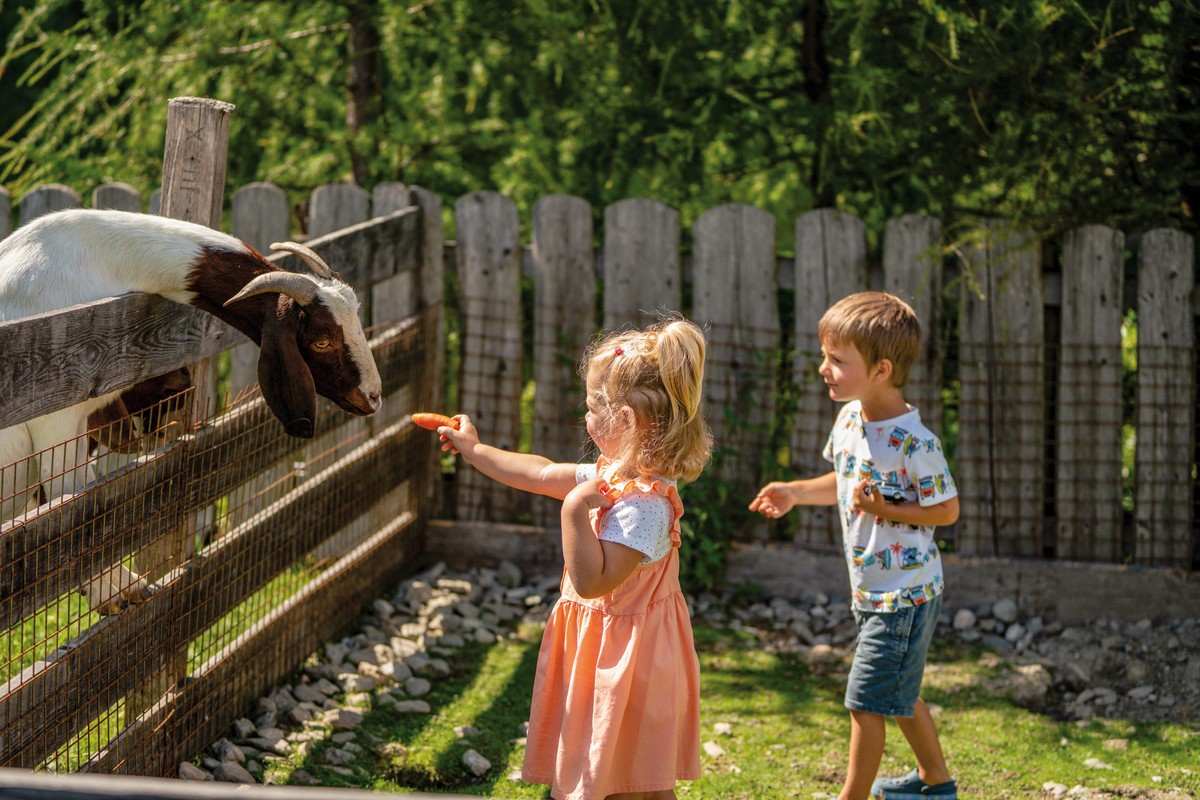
(640, 520)
(891, 564)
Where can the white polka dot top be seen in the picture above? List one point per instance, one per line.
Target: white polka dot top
(639, 520)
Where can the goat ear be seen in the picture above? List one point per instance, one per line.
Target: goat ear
(287, 384)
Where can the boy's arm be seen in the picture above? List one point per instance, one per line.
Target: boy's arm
(779, 497)
(524, 471)
(944, 513)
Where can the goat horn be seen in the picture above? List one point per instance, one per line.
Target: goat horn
(300, 288)
(306, 254)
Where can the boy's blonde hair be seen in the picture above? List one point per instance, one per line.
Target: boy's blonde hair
(659, 374)
(879, 325)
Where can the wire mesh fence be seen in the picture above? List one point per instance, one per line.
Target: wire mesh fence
(198, 567)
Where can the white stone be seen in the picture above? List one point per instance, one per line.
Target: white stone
(723, 729)
(964, 619)
(233, 773)
(1014, 632)
(1005, 610)
(1056, 789)
(190, 772)
(508, 574)
(418, 687)
(465, 731)
(476, 763)
(344, 719)
(1095, 763)
(412, 707)
(713, 750)
(243, 728)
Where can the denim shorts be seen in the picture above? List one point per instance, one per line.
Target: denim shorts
(885, 678)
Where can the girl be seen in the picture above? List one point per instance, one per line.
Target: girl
(616, 698)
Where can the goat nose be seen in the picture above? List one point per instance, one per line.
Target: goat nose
(376, 400)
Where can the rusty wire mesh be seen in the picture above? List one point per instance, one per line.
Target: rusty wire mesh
(257, 547)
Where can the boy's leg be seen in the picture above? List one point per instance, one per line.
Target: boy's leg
(923, 739)
(867, 735)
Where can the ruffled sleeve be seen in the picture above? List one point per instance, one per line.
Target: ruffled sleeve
(641, 486)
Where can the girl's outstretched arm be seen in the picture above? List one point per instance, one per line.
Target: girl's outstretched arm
(524, 471)
(596, 567)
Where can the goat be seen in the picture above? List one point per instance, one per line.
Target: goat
(307, 329)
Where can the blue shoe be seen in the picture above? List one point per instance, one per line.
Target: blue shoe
(911, 787)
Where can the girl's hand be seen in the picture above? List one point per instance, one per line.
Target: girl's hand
(462, 441)
(868, 499)
(774, 500)
(590, 494)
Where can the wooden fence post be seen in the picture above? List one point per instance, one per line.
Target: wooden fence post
(734, 280)
(1087, 468)
(1001, 441)
(5, 212)
(489, 270)
(260, 216)
(564, 322)
(831, 263)
(912, 270)
(430, 289)
(1166, 399)
(335, 206)
(117, 196)
(48, 198)
(642, 272)
(194, 155)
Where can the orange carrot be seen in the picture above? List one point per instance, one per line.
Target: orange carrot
(432, 421)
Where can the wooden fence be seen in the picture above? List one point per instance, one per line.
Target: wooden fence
(297, 535)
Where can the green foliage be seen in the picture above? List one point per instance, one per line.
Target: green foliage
(1051, 113)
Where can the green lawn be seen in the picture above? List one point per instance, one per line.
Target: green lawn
(789, 731)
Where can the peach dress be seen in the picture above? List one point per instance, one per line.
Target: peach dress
(616, 700)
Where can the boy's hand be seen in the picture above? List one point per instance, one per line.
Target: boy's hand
(774, 500)
(868, 499)
(462, 441)
(591, 494)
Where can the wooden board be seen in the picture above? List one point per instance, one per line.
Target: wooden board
(1087, 466)
(734, 298)
(335, 206)
(46, 199)
(1001, 441)
(489, 270)
(117, 196)
(564, 322)
(831, 263)
(642, 277)
(1166, 399)
(913, 271)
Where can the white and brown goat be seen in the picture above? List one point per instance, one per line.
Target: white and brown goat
(307, 328)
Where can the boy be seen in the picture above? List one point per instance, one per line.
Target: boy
(892, 487)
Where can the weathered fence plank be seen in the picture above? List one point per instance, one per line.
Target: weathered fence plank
(431, 381)
(5, 212)
(831, 263)
(117, 196)
(642, 274)
(564, 321)
(1001, 444)
(1087, 468)
(335, 206)
(1166, 399)
(260, 217)
(489, 269)
(46, 199)
(913, 271)
(734, 297)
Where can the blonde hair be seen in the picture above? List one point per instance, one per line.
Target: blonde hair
(658, 373)
(879, 325)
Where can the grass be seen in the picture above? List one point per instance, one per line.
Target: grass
(789, 731)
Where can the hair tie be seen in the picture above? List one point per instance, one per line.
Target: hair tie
(618, 351)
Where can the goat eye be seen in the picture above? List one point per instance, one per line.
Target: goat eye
(322, 344)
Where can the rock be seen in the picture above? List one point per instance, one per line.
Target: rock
(418, 687)
(1095, 763)
(465, 731)
(343, 719)
(233, 773)
(226, 750)
(1056, 789)
(478, 765)
(336, 756)
(383, 608)
(1005, 610)
(412, 707)
(1031, 683)
(304, 778)
(243, 728)
(713, 750)
(1014, 633)
(484, 636)
(353, 682)
(1140, 692)
(308, 694)
(508, 574)
(723, 729)
(1116, 744)
(964, 619)
(190, 772)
